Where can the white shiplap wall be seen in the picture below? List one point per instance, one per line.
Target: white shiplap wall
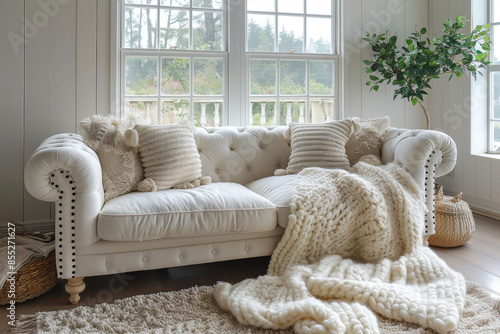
(452, 107)
(59, 75)
(62, 75)
(377, 16)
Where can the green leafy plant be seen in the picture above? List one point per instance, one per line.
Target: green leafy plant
(412, 66)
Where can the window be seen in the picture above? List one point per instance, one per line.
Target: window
(175, 60)
(494, 78)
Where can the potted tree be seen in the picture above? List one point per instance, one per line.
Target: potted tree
(412, 66)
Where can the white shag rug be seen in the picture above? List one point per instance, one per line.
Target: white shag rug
(194, 310)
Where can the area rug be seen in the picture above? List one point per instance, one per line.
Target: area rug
(194, 310)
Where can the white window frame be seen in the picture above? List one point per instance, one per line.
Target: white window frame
(308, 57)
(236, 107)
(491, 69)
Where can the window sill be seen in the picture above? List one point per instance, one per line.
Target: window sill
(495, 156)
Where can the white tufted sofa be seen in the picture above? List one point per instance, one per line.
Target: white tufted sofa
(242, 214)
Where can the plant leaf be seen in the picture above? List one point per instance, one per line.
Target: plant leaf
(414, 101)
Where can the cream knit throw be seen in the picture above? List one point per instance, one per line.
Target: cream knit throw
(352, 247)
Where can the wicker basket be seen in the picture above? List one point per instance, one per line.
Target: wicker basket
(454, 221)
(34, 278)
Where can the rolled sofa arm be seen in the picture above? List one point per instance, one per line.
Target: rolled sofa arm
(64, 170)
(425, 154)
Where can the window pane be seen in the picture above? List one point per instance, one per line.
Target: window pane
(319, 35)
(292, 111)
(207, 31)
(208, 76)
(260, 5)
(140, 28)
(174, 110)
(320, 7)
(140, 76)
(207, 113)
(261, 33)
(291, 34)
(321, 77)
(495, 136)
(263, 112)
(291, 6)
(321, 110)
(175, 76)
(179, 3)
(495, 57)
(142, 2)
(207, 4)
(262, 77)
(496, 11)
(292, 77)
(174, 29)
(145, 109)
(495, 95)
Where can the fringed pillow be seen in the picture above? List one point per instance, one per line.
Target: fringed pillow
(169, 156)
(121, 166)
(318, 145)
(366, 138)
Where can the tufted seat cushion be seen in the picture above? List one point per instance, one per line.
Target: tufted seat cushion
(278, 190)
(217, 208)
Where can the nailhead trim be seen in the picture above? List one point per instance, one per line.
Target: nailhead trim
(72, 185)
(427, 167)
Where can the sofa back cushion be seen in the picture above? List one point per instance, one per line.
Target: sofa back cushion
(242, 155)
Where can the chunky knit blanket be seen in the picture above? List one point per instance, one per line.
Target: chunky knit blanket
(353, 247)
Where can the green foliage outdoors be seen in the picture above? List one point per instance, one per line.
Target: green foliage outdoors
(412, 66)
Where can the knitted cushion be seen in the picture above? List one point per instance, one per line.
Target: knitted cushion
(121, 165)
(168, 154)
(366, 138)
(319, 145)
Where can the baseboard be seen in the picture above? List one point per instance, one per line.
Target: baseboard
(479, 206)
(42, 226)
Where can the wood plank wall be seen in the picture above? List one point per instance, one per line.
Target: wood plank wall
(56, 76)
(378, 16)
(61, 74)
(458, 108)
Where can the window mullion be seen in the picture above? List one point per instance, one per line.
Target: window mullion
(191, 89)
(191, 29)
(158, 31)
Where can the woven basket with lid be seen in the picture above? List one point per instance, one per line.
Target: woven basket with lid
(454, 221)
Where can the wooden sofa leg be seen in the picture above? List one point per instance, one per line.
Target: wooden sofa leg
(74, 287)
(426, 240)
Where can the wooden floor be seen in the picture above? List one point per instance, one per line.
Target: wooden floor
(478, 260)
